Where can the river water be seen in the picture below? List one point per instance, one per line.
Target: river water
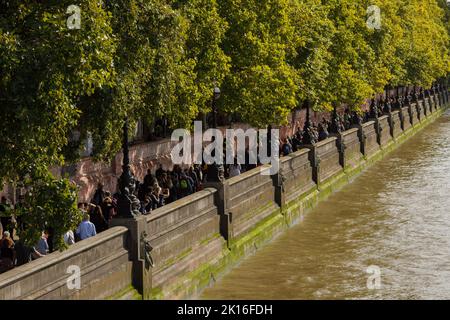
(384, 236)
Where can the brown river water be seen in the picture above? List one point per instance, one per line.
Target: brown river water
(393, 219)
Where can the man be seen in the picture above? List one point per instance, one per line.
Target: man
(99, 195)
(159, 172)
(86, 229)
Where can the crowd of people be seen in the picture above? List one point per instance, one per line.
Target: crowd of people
(319, 131)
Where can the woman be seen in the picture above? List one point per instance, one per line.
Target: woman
(97, 218)
(7, 252)
(157, 197)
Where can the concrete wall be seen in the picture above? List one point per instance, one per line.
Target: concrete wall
(396, 123)
(297, 175)
(327, 153)
(250, 200)
(103, 261)
(420, 110)
(414, 114)
(352, 143)
(370, 137)
(183, 247)
(185, 235)
(385, 130)
(406, 118)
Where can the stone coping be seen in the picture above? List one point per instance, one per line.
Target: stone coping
(295, 154)
(368, 123)
(26, 270)
(169, 208)
(349, 131)
(247, 174)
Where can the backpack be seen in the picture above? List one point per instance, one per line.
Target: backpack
(183, 183)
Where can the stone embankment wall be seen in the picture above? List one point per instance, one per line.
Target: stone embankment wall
(185, 246)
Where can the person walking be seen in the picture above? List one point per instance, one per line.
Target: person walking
(86, 228)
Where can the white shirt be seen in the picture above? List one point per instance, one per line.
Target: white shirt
(69, 238)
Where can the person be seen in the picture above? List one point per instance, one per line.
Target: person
(108, 208)
(185, 186)
(199, 172)
(166, 185)
(24, 254)
(149, 179)
(156, 197)
(323, 133)
(97, 218)
(99, 195)
(159, 172)
(86, 228)
(6, 219)
(7, 252)
(41, 249)
(235, 169)
(286, 148)
(146, 206)
(69, 238)
(195, 181)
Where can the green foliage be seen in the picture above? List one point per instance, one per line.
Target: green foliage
(261, 86)
(44, 69)
(49, 202)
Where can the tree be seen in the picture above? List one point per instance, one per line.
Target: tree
(425, 46)
(261, 86)
(352, 59)
(311, 55)
(45, 67)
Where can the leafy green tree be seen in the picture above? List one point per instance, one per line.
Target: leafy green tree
(311, 51)
(45, 67)
(425, 45)
(48, 203)
(261, 86)
(352, 59)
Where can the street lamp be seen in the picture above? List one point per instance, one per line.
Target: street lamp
(307, 137)
(216, 96)
(216, 172)
(335, 122)
(373, 108)
(128, 205)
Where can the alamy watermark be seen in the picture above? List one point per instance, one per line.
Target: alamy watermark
(74, 280)
(184, 153)
(374, 17)
(74, 20)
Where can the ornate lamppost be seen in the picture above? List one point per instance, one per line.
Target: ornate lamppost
(308, 137)
(216, 172)
(415, 95)
(373, 109)
(335, 122)
(128, 204)
(407, 97)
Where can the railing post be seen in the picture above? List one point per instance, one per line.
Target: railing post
(278, 180)
(221, 202)
(138, 244)
(362, 139)
(315, 163)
